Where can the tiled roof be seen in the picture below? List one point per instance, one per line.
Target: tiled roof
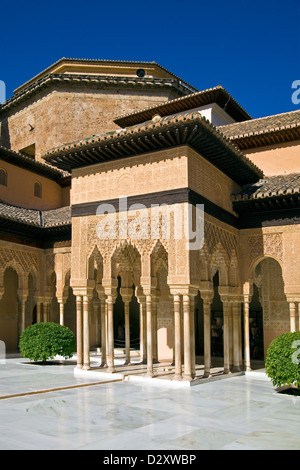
(36, 218)
(64, 60)
(32, 165)
(191, 129)
(95, 81)
(264, 131)
(270, 186)
(217, 95)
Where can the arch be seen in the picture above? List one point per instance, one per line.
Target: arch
(10, 310)
(219, 262)
(37, 189)
(3, 177)
(267, 276)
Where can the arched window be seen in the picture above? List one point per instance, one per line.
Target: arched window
(38, 189)
(3, 177)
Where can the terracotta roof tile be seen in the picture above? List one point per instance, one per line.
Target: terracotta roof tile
(269, 187)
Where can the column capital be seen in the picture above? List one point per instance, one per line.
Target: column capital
(207, 296)
(83, 291)
(293, 298)
(184, 290)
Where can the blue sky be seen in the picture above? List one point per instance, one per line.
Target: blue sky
(251, 48)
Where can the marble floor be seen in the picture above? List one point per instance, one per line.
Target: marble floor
(239, 413)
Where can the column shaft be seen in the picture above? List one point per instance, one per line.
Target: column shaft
(61, 313)
(110, 328)
(149, 336)
(292, 307)
(127, 332)
(79, 331)
(187, 338)
(236, 342)
(226, 336)
(247, 360)
(207, 337)
(177, 337)
(86, 334)
(103, 333)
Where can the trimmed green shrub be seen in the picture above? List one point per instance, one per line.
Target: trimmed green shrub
(283, 360)
(44, 341)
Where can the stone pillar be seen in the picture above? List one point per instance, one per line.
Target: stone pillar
(110, 330)
(154, 326)
(23, 314)
(79, 331)
(292, 307)
(192, 320)
(103, 332)
(226, 334)
(86, 333)
(149, 335)
(61, 312)
(247, 361)
(207, 298)
(236, 316)
(187, 375)
(177, 337)
(127, 331)
(143, 330)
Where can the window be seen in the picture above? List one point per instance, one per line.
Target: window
(38, 189)
(3, 177)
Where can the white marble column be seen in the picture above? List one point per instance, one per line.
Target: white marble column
(110, 331)
(61, 312)
(226, 335)
(207, 299)
(187, 375)
(177, 337)
(192, 321)
(86, 333)
(127, 331)
(292, 307)
(103, 332)
(149, 336)
(79, 331)
(236, 335)
(247, 361)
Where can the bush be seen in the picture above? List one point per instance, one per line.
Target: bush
(283, 360)
(44, 341)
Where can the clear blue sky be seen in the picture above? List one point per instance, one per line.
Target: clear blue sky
(252, 48)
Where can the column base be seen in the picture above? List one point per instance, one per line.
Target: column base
(187, 378)
(127, 363)
(86, 367)
(103, 365)
(236, 369)
(177, 377)
(226, 371)
(111, 370)
(207, 375)
(79, 366)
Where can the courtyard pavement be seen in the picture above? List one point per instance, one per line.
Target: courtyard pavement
(237, 413)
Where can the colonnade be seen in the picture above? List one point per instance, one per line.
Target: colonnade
(183, 300)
